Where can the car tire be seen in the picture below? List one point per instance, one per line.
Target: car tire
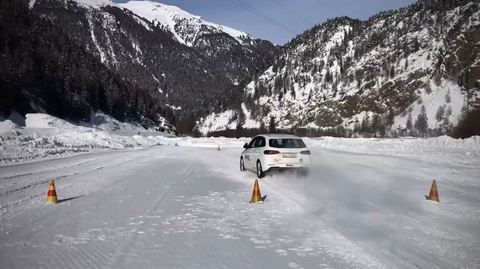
(242, 164)
(260, 172)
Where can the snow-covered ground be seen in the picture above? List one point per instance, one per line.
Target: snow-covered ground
(181, 203)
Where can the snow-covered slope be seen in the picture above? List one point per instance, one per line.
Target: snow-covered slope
(185, 26)
(372, 76)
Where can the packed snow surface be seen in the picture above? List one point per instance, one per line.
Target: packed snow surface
(182, 203)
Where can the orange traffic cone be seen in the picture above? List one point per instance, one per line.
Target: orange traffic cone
(433, 196)
(51, 194)
(256, 196)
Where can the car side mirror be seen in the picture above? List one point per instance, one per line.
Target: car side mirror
(245, 146)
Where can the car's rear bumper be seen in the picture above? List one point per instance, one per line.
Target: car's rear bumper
(276, 161)
(303, 170)
(281, 166)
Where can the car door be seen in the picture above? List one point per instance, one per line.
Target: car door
(257, 151)
(249, 152)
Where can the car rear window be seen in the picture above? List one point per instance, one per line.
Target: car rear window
(286, 143)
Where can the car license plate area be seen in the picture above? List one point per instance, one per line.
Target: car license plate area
(289, 155)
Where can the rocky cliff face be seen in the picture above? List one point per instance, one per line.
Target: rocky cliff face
(188, 68)
(412, 71)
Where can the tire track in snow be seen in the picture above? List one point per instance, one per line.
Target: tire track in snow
(14, 198)
(46, 181)
(11, 176)
(20, 217)
(323, 235)
(80, 256)
(16, 179)
(124, 249)
(332, 242)
(330, 245)
(4, 208)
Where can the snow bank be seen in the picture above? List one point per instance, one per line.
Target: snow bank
(7, 126)
(45, 136)
(442, 149)
(43, 121)
(206, 142)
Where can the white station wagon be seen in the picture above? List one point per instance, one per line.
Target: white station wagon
(275, 151)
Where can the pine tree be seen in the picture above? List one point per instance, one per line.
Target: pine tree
(448, 99)
(328, 76)
(428, 89)
(440, 113)
(409, 122)
(421, 124)
(262, 127)
(356, 125)
(390, 117)
(376, 123)
(239, 130)
(437, 78)
(365, 123)
(272, 127)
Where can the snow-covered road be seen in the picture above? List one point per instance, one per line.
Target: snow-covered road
(172, 207)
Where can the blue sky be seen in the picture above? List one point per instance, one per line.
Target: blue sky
(290, 17)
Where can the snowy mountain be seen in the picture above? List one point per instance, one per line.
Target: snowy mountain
(412, 71)
(401, 72)
(44, 69)
(238, 55)
(187, 28)
(186, 66)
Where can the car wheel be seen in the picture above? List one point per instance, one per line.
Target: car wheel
(242, 164)
(260, 172)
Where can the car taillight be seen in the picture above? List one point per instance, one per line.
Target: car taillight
(271, 152)
(306, 152)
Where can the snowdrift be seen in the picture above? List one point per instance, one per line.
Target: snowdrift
(45, 136)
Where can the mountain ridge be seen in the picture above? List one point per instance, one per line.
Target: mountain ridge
(410, 71)
(345, 73)
(181, 79)
(177, 20)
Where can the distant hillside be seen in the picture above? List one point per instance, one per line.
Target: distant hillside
(185, 67)
(412, 71)
(46, 70)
